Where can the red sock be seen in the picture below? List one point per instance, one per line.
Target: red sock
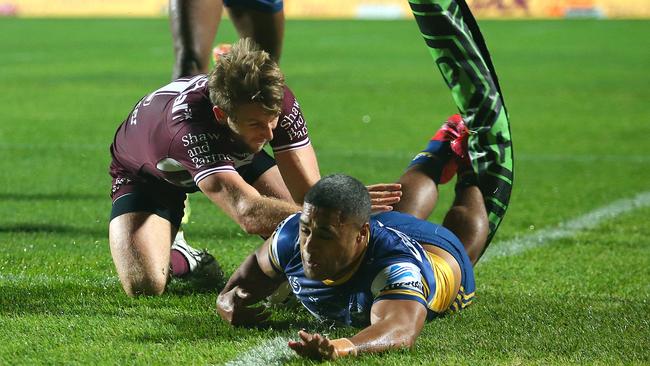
(179, 264)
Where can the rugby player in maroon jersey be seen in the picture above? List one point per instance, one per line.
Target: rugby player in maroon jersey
(207, 133)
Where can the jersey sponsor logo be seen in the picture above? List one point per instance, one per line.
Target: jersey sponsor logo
(294, 123)
(199, 149)
(192, 139)
(402, 275)
(411, 285)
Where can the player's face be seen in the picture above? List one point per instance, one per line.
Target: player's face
(329, 246)
(253, 126)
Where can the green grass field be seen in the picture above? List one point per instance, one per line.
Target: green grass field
(577, 93)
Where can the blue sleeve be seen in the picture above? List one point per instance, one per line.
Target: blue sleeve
(284, 242)
(400, 280)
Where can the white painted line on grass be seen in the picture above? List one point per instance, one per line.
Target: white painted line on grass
(276, 352)
(273, 352)
(566, 229)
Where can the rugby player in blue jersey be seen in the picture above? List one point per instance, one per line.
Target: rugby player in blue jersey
(388, 273)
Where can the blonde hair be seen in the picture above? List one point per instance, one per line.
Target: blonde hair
(246, 74)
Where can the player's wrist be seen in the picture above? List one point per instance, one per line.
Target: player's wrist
(343, 347)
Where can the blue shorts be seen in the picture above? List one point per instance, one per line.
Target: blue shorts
(264, 6)
(426, 232)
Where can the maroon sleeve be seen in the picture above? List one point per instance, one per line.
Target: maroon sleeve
(291, 132)
(202, 150)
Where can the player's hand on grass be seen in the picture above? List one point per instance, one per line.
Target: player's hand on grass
(384, 195)
(314, 346)
(235, 307)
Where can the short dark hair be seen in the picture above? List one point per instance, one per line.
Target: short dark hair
(343, 193)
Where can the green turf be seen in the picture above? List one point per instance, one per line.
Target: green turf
(577, 92)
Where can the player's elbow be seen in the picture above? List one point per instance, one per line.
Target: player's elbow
(249, 220)
(405, 339)
(252, 226)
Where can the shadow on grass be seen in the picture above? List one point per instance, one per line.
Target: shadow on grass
(31, 228)
(67, 196)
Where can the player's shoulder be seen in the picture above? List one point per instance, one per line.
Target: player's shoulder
(290, 103)
(284, 242)
(388, 246)
(288, 228)
(385, 240)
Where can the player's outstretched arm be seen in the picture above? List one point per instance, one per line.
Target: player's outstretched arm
(394, 324)
(253, 281)
(255, 214)
(299, 170)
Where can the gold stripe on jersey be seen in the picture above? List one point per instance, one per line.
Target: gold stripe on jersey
(402, 292)
(445, 283)
(274, 260)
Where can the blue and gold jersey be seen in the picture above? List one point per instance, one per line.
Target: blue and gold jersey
(394, 266)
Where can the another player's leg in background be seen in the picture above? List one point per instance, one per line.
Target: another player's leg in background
(445, 156)
(194, 25)
(459, 51)
(265, 27)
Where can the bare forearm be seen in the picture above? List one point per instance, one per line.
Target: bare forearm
(261, 215)
(251, 278)
(383, 336)
(299, 169)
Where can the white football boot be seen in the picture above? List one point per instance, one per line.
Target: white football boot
(203, 266)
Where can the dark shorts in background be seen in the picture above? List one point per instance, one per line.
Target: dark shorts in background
(166, 200)
(264, 6)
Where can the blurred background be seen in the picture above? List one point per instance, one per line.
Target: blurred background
(384, 9)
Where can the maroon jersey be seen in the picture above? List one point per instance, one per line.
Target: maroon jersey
(173, 136)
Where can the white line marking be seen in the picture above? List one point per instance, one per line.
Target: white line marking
(276, 352)
(566, 229)
(270, 353)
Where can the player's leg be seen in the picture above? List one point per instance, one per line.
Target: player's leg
(194, 25)
(262, 20)
(144, 220)
(432, 166)
(419, 192)
(467, 216)
(140, 243)
(447, 155)
(459, 51)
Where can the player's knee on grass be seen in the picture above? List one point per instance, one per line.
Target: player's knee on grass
(140, 244)
(145, 284)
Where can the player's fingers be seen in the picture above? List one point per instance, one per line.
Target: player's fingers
(326, 350)
(298, 347)
(306, 337)
(385, 194)
(380, 208)
(384, 201)
(384, 187)
(242, 294)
